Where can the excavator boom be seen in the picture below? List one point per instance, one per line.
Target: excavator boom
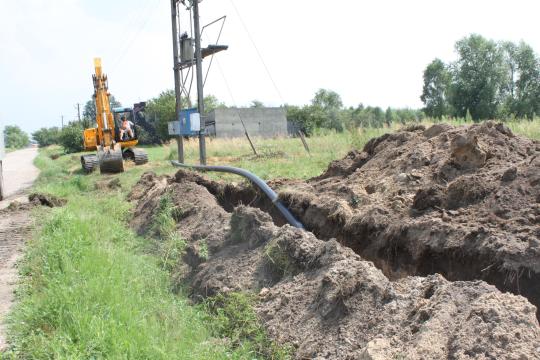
(104, 117)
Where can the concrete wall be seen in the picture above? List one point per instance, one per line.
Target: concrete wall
(264, 122)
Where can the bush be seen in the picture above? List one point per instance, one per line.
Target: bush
(47, 136)
(71, 138)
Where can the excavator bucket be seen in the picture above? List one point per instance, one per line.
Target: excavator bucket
(110, 160)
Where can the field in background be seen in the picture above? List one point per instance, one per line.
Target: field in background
(277, 158)
(287, 158)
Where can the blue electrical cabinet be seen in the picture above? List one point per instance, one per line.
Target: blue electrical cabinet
(190, 122)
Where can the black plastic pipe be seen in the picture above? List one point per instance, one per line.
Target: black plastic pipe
(267, 190)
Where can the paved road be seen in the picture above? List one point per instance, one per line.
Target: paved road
(19, 173)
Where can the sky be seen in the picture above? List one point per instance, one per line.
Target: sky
(280, 51)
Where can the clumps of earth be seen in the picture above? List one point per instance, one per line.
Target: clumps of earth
(424, 245)
(108, 184)
(36, 199)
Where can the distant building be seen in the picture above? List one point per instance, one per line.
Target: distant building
(264, 122)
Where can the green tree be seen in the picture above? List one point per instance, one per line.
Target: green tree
(71, 137)
(15, 137)
(325, 112)
(437, 82)
(479, 78)
(256, 104)
(160, 111)
(301, 118)
(47, 136)
(327, 100)
(388, 116)
(89, 110)
(526, 99)
(211, 103)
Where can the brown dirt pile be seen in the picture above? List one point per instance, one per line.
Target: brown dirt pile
(34, 199)
(324, 298)
(460, 201)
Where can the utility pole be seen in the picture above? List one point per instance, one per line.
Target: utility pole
(200, 96)
(79, 112)
(62, 117)
(177, 86)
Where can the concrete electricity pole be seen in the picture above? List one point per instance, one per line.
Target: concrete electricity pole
(200, 95)
(177, 86)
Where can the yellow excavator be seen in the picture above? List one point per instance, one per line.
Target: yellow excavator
(112, 145)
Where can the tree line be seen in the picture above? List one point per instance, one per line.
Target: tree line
(488, 80)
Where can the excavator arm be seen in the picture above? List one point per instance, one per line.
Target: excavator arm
(109, 152)
(109, 155)
(104, 117)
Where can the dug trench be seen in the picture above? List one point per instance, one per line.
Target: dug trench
(423, 202)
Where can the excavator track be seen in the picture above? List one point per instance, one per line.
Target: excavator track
(138, 156)
(110, 160)
(89, 162)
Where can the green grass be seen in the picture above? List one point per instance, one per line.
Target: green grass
(286, 157)
(89, 292)
(530, 129)
(279, 157)
(232, 316)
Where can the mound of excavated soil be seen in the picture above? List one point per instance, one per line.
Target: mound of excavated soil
(460, 201)
(321, 296)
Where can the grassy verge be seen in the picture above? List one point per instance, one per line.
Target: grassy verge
(88, 292)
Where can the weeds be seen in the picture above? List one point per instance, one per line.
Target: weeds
(232, 316)
(164, 224)
(171, 245)
(279, 260)
(203, 249)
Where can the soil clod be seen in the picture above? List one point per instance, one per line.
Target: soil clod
(46, 200)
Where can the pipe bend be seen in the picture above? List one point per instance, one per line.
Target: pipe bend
(261, 184)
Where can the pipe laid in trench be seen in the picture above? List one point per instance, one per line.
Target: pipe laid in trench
(267, 190)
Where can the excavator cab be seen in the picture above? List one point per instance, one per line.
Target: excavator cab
(119, 114)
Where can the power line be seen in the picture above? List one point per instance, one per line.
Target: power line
(136, 34)
(135, 17)
(236, 107)
(258, 52)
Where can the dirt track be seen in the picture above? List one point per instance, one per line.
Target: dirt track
(19, 171)
(19, 174)
(461, 202)
(14, 229)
